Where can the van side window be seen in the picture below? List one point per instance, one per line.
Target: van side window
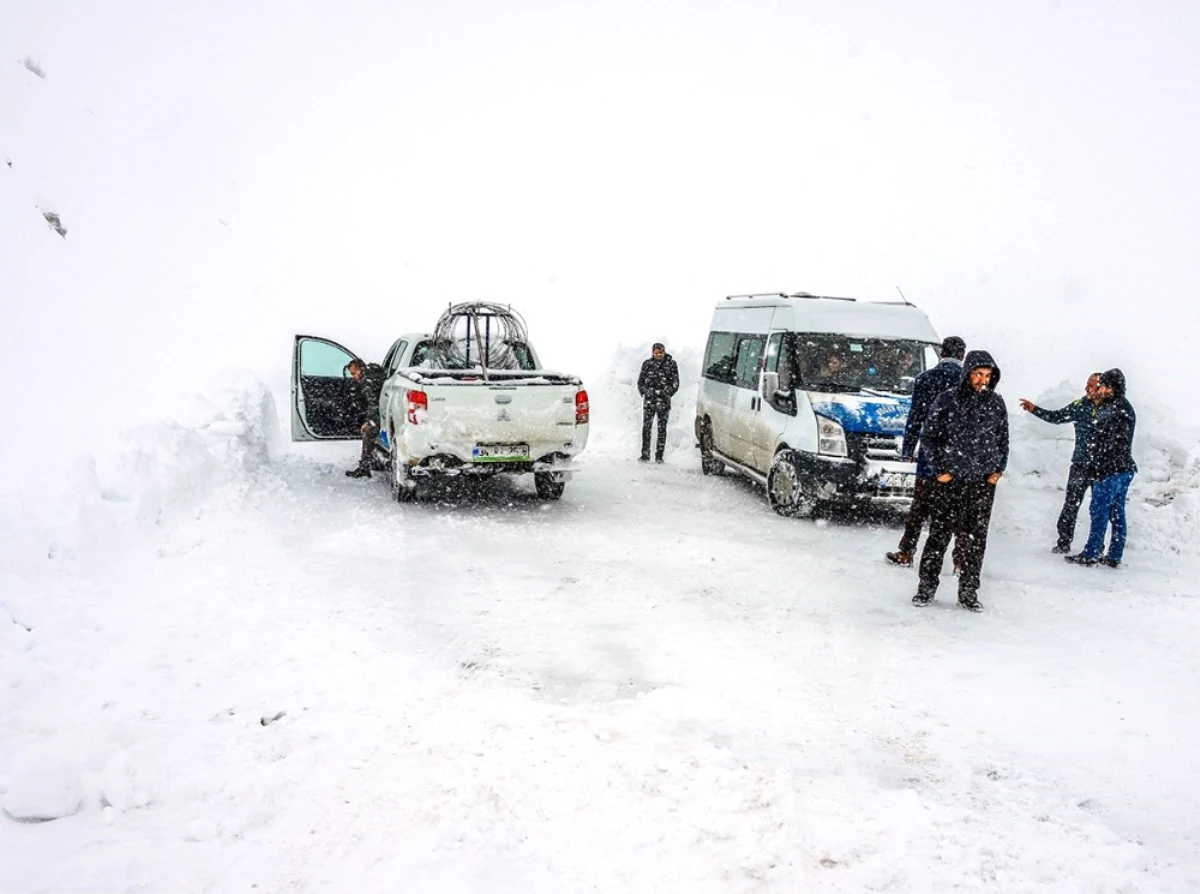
(718, 359)
(749, 356)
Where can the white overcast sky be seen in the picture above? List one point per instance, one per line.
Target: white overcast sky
(232, 173)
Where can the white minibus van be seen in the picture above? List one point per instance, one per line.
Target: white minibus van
(808, 396)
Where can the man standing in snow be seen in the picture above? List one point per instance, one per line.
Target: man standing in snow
(1111, 468)
(966, 435)
(364, 409)
(657, 384)
(1080, 413)
(926, 389)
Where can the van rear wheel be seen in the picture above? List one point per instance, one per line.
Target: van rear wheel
(785, 490)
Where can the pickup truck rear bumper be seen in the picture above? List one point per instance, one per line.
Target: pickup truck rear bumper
(452, 466)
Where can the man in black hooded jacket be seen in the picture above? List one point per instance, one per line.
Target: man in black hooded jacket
(1111, 467)
(966, 434)
(657, 383)
(364, 411)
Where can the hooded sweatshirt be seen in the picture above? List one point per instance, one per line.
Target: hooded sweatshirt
(967, 430)
(1110, 446)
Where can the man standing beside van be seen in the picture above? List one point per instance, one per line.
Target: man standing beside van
(926, 389)
(657, 384)
(966, 435)
(1080, 413)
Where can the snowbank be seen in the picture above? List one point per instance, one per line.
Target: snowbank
(112, 509)
(617, 406)
(159, 472)
(1164, 501)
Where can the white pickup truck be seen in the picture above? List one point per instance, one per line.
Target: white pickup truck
(447, 408)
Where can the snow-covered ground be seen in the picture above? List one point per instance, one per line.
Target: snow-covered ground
(225, 666)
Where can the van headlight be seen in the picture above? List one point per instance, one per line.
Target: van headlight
(831, 437)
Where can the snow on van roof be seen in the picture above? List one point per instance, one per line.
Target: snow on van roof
(802, 312)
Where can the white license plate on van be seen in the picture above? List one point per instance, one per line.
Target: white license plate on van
(500, 452)
(899, 480)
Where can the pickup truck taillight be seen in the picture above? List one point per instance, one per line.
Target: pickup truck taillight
(581, 408)
(418, 401)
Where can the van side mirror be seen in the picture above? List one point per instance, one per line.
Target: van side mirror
(770, 384)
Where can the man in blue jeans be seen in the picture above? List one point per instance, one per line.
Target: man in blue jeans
(1079, 413)
(1111, 467)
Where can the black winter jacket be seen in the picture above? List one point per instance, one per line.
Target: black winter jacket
(1110, 446)
(658, 381)
(365, 395)
(967, 430)
(1080, 413)
(926, 389)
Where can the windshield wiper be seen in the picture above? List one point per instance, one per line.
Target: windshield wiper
(832, 386)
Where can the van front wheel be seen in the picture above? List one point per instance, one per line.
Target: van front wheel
(785, 491)
(709, 464)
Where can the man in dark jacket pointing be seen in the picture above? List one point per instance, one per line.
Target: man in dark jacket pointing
(967, 438)
(1079, 413)
(657, 384)
(1111, 468)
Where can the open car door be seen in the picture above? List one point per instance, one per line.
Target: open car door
(323, 391)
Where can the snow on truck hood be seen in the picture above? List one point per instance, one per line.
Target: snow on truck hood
(872, 414)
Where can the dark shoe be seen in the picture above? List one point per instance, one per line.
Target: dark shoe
(904, 560)
(1061, 549)
(643, 459)
(971, 604)
(923, 599)
(1109, 563)
(1080, 559)
(359, 473)
(658, 459)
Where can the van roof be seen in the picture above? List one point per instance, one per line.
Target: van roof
(777, 311)
(782, 298)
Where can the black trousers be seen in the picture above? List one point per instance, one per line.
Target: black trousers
(918, 514)
(368, 445)
(962, 510)
(650, 411)
(1078, 483)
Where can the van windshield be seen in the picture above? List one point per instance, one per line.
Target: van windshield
(838, 363)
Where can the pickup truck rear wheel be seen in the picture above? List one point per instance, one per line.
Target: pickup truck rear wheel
(549, 485)
(786, 491)
(404, 489)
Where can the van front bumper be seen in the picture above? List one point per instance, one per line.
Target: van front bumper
(839, 479)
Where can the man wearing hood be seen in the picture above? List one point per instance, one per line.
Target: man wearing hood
(657, 384)
(1111, 467)
(966, 435)
(926, 389)
(1080, 414)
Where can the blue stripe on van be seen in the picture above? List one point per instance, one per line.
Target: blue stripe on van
(869, 415)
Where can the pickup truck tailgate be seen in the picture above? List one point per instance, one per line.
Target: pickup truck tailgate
(497, 413)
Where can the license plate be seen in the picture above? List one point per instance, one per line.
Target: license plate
(900, 480)
(500, 452)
